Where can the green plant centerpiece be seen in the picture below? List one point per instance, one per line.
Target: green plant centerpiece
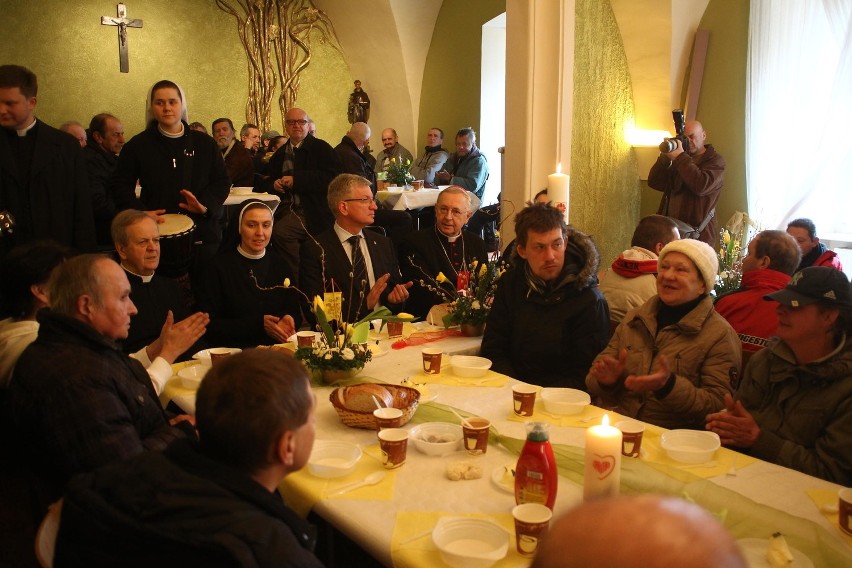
(397, 172)
(468, 302)
(341, 350)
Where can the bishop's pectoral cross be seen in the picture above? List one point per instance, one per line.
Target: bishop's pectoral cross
(123, 22)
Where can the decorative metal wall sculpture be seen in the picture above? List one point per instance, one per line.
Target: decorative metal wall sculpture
(276, 35)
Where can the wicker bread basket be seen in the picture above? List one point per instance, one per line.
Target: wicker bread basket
(404, 398)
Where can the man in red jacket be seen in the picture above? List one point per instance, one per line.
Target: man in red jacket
(771, 260)
(814, 253)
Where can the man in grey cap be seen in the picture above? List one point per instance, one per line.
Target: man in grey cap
(794, 406)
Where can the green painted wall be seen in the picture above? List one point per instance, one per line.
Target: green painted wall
(451, 78)
(721, 107)
(191, 42)
(604, 181)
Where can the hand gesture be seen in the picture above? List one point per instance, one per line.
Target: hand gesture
(283, 183)
(400, 293)
(192, 204)
(155, 215)
(734, 425)
(676, 152)
(652, 382)
(279, 328)
(375, 293)
(176, 338)
(606, 370)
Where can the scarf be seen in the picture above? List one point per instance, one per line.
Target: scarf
(630, 268)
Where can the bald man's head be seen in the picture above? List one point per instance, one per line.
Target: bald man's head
(632, 532)
(696, 134)
(360, 134)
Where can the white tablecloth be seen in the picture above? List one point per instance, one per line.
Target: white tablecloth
(402, 200)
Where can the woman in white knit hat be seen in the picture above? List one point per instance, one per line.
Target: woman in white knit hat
(672, 360)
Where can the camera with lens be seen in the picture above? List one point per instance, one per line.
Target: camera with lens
(669, 144)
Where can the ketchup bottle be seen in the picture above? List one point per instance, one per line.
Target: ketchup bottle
(535, 475)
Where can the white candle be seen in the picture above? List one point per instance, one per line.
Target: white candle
(602, 468)
(557, 190)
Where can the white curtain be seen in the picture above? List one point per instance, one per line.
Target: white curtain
(799, 113)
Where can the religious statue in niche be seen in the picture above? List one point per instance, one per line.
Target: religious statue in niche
(359, 105)
(276, 36)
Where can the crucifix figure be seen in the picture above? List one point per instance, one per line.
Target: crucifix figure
(123, 22)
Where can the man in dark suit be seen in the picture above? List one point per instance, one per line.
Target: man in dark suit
(43, 182)
(361, 264)
(444, 248)
(300, 172)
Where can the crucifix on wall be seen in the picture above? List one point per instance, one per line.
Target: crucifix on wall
(123, 22)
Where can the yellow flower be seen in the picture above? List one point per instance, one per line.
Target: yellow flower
(726, 237)
(319, 304)
(482, 270)
(441, 278)
(286, 282)
(474, 264)
(404, 315)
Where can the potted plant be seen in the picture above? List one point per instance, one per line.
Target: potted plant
(397, 172)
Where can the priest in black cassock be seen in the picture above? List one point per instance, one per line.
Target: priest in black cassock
(445, 248)
(136, 239)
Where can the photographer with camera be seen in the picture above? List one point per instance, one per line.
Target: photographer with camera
(690, 174)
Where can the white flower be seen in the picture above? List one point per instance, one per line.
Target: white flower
(327, 356)
(475, 305)
(347, 354)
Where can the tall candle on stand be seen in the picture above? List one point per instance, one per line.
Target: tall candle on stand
(602, 467)
(557, 190)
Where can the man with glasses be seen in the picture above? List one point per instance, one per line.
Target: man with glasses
(360, 264)
(549, 319)
(299, 172)
(444, 248)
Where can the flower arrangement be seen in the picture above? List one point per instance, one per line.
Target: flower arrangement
(470, 304)
(397, 172)
(739, 230)
(340, 346)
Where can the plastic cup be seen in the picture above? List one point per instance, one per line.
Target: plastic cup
(631, 437)
(387, 418)
(394, 445)
(532, 520)
(476, 435)
(432, 360)
(523, 399)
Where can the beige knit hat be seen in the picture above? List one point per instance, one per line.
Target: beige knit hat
(701, 254)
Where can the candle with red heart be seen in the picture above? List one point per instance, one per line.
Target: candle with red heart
(602, 468)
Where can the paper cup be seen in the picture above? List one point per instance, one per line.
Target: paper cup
(387, 418)
(844, 507)
(219, 354)
(305, 338)
(394, 329)
(394, 445)
(476, 435)
(523, 399)
(531, 523)
(631, 437)
(432, 360)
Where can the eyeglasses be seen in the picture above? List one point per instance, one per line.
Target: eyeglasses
(443, 210)
(364, 200)
(292, 121)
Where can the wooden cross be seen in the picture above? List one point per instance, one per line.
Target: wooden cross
(123, 22)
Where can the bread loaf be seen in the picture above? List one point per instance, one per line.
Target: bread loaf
(359, 398)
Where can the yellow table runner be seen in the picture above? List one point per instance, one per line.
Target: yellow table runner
(446, 377)
(828, 497)
(303, 490)
(409, 551)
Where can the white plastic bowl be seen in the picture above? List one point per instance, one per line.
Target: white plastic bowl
(565, 401)
(470, 543)
(690, 446)
(242, 190)
(331, 458)
(191, 377)
(468, 366)
(436, 438)
(204, 354)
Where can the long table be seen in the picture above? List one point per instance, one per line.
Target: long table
(391, 520)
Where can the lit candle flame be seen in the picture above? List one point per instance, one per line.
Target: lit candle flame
(559, 168)
(605, 421)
